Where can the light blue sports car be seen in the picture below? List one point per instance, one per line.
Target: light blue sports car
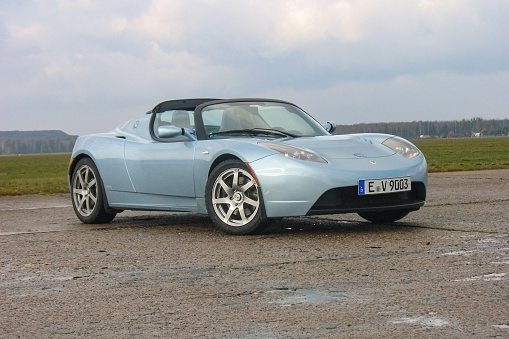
(244, 162)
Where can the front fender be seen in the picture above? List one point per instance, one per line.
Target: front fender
(210, 152)
(107, 152)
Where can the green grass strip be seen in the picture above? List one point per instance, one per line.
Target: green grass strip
(45, 174)
(469, 154)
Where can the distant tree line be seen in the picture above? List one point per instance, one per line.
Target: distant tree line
(20, 142)
(475, 127)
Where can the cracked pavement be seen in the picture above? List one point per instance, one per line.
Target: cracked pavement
(442, 272)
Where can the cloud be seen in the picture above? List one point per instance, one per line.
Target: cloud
(70, 64)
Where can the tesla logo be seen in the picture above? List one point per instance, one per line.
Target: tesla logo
(372, 162)
(360, 155)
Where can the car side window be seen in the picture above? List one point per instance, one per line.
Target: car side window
(177, 118)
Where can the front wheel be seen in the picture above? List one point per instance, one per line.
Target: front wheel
(384, 217)
(87, 194)
(233, 199)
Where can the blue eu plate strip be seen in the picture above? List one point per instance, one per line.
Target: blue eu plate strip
(361, 187)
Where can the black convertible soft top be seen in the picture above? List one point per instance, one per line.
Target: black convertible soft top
(180, 104)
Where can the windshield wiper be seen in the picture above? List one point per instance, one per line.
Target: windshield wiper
(273, 131)
(232, 131)
(255, 131)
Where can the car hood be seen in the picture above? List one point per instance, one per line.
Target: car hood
(344, 146)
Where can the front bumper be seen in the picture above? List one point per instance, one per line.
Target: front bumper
(296, 188)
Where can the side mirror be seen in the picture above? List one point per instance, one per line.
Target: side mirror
(168, 132)
(330, 126)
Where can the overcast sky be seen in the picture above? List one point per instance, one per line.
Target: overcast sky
(86, 66)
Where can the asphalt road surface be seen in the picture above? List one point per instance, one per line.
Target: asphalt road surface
(442, 272)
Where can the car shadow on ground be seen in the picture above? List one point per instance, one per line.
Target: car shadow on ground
(198, 223)
(339, 226)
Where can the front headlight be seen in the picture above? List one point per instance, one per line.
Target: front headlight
(294, 152)
(402, 146)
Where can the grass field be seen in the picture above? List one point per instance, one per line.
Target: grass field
(34, 174)
(468, 154)
(47, 173)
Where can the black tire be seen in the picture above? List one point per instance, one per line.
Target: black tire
(233, 199)
(87, 194)
(385, 216)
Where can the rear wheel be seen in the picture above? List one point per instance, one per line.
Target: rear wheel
(87, 194)
(233, 199)
(384, 216)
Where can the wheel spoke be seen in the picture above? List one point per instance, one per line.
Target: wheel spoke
(220, 201)
(242, 214)
(226, 188)
(83, 205)
(247, 186)
(92, 182)
(249, 201)
(228, 215)
(81, 201)
(87, 172)
(81, 179)
(80, 192)
(86, 208)
(235, 182)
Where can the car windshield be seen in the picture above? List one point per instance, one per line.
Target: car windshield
(267, 119)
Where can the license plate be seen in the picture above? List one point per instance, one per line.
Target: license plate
(381, 186)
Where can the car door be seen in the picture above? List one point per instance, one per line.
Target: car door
(161, 168)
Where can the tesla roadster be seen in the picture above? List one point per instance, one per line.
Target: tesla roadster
(244, 162)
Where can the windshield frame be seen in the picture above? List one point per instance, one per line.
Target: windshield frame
(203, 134)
